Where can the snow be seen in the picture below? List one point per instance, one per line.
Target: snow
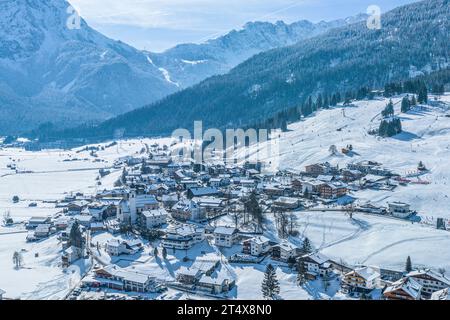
(425, 138)
(167, 76)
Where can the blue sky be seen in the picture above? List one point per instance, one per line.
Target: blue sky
(156, 25)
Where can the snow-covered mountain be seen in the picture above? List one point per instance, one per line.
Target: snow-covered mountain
(189, 64)
(50, 72)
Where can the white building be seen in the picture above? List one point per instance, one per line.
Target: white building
(123, 279)
(363, 279)
(225, 236)
(431, 281)
(183, 237)
(155, 218)
(399, 209)
(316, 264)
(284, 251)
(256, 246)
(117, 247)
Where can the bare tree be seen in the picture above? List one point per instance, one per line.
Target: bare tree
(17, 259)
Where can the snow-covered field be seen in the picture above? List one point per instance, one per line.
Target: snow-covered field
(426, 138)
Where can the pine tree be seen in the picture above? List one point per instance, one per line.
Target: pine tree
(155, 252)
(301, 273)
(423, 93)
(307, 248)
(406, 104)
(270, 285)
(164, 253)
(408, 266)
(75, 236)
(333, 101)
(413, 100)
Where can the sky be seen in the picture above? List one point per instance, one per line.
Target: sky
(157, 25)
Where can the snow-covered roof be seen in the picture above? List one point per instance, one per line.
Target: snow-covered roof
(430, 273)
(408, 285)
(259, 240)
(443, 294)
(155, 213)
(225, 230)
(367, 273)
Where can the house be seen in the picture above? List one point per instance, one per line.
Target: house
(431, 281)
(316, 169)
(186, 209)
(42, 231)
(202, 192)
(35, 221)
(116, 278)
(286, 203)
(117, 247)
(316, 264)
(225, 236)
(70, 255)
(84, 220)
(169, 200)
(363, 279)
(183, 237)
(332, 190)
(403, 289)
(443, 294)
(256, 246)
(216, 285)
(154, 218)
(77, 206)
(399, 209)
(188, 276)
(285, 252)
(61, 223)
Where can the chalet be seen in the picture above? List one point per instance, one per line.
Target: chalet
(84, 220)
(161, 161)
(225, 236)
(36, 221)
(316, 169)
(202, 192)
(311, 186)
(183, 237)
(215, 182)
(117, 247)
(296, 184)
(332, 190)
(216, 285)
(186, 209)
(442, 295)
(256, 246)
(273, 190)
(316, 264)
(403, 289)
(370, 208)
(154, 218)
(77, 206)
(211, 205)
(285, 252)
(70, 255)
(157, 189)
(399, 209)
(431, 281)
(363, 279)
(188, 276)
(122, 279)
(286, 203)
(189, 183)
(169, 200)
(42, 231)
(61, 223)
(351, 175)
